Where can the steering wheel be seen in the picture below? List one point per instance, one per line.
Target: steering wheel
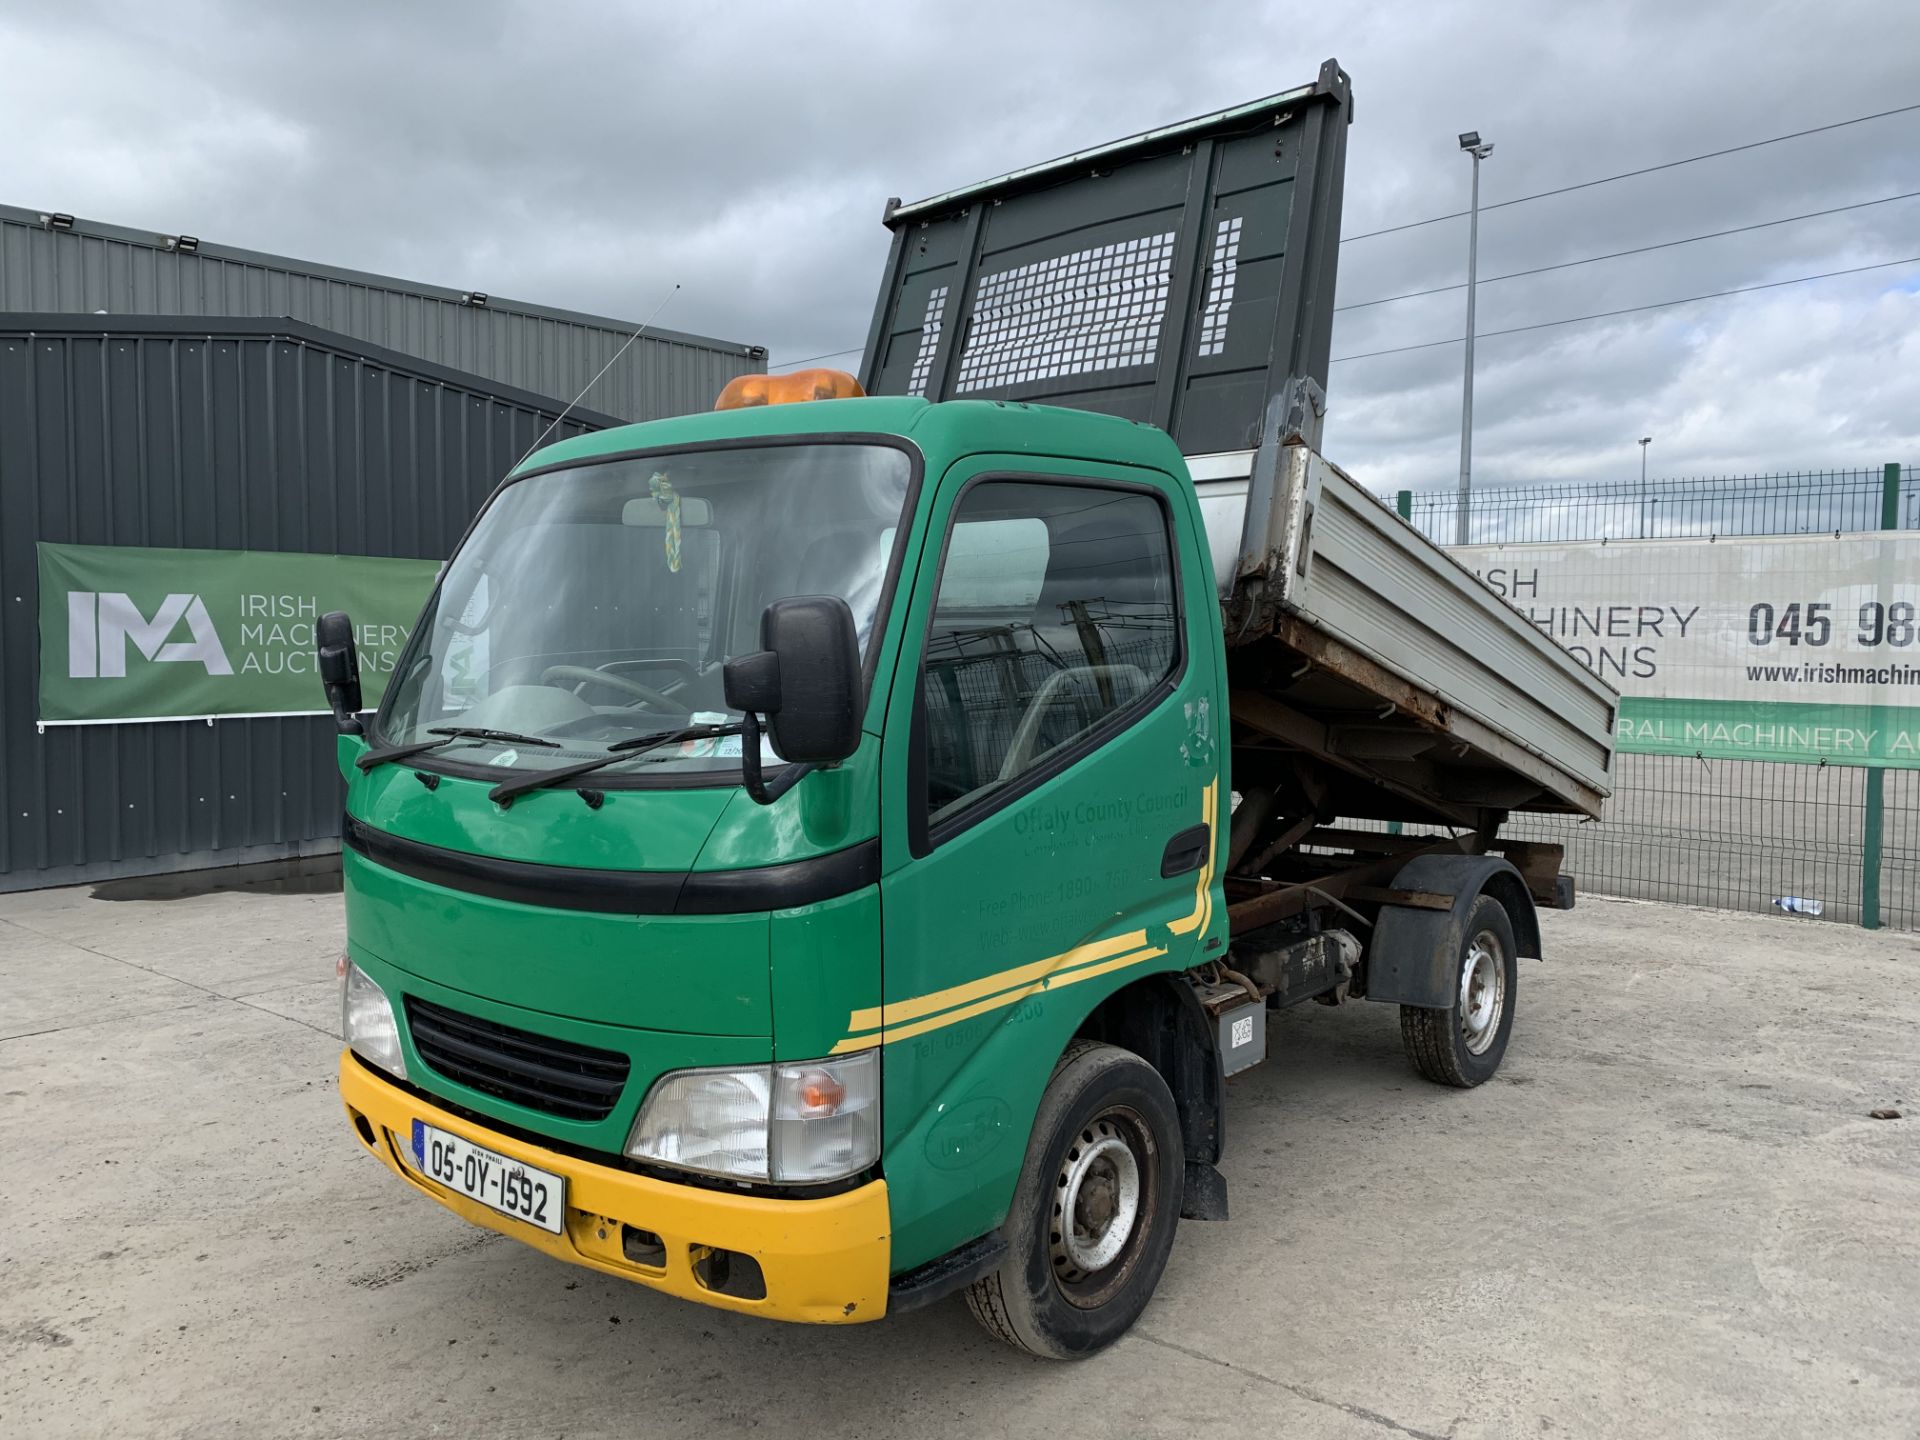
(583, 675)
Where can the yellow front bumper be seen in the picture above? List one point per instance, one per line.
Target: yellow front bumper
(824, 1261)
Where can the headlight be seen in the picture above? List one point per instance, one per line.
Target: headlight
(792, 1124)
(367, 1023)
(714, 1121)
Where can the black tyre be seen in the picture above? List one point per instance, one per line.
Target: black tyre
(1094, 1214)
(1463, 1044)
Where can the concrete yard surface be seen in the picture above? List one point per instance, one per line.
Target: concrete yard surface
(1670, 1214)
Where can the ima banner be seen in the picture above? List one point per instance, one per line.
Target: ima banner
(1793, 648)
(135, 634)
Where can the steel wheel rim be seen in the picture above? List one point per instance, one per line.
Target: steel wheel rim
(1101, 1201)
(1483, 992)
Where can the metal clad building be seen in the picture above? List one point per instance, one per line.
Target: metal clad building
(95, 267)
(220, 434)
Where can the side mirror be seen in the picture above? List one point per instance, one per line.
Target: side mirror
(806, 682)
(338, 660)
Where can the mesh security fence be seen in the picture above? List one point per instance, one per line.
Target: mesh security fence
(1742, 835)
(1732, 834)
(1801, 503)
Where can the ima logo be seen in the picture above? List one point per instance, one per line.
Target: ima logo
(99, 625)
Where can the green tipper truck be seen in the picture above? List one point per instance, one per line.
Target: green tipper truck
(816, 858)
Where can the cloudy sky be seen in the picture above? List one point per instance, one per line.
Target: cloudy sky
(590, 156)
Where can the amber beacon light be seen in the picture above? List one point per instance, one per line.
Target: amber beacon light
(744, 391)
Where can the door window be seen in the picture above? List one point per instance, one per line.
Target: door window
(1055, 613)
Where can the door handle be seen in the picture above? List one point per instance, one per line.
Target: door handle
(1186, 851)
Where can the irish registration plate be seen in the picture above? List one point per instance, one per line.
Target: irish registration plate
(536, 1196)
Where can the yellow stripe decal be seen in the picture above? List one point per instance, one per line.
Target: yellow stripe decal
(993, 1002)
(1092, 970)
(1212, 808)
(1203, 889)
(873, 1018)
(902, 1020)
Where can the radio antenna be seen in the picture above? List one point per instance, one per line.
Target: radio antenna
(596, 379)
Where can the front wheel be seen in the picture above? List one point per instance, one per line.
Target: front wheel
(1462, 1045)
(1094, 1213)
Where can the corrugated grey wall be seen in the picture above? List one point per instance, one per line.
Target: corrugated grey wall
(95, 267)
(223, 434)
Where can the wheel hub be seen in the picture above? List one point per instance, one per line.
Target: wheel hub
(1097, 1202)
(1483, 992)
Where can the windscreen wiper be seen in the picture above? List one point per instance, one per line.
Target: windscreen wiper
(503, 793)
(448, 734)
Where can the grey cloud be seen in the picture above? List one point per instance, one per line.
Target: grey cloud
(592, 156)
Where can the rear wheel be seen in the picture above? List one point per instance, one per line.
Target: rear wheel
(1462, 1045)
(1095, 1210)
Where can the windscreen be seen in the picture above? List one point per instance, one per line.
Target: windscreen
(598, 603)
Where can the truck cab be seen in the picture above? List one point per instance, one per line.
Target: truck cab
(789, 866)
(655, 983)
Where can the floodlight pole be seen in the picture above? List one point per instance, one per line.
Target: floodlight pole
(1645, 440)
(1479, 150)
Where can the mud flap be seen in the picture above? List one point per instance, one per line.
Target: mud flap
(1205, 1196)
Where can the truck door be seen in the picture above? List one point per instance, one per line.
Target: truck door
(1049, 796)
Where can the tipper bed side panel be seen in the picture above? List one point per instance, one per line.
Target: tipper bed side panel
(1377, 585)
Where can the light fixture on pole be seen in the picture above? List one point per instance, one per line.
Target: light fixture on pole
(1479, 149)
(1645, 440)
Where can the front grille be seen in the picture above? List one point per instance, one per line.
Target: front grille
(576, 1082)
